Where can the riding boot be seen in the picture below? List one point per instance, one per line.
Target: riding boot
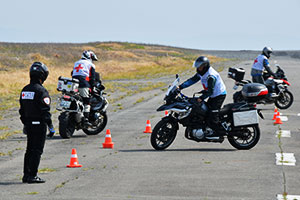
(215, 124)
(86, 122)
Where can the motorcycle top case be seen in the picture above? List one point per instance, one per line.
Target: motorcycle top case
(236, 73)
(67, 84)
(254, 92)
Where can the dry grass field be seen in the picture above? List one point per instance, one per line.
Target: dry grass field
(116, 61)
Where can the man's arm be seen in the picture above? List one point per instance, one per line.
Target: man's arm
(211, 82)
(190, 82)
(267, 67)
(92, 77)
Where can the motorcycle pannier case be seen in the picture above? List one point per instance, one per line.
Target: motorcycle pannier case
(236, 73)
(254, 92)
(68, 84)
(243, 118)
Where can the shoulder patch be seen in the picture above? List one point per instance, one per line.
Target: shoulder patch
(27, 95)
(47, 100)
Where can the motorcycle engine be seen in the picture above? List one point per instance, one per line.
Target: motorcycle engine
(198, 133)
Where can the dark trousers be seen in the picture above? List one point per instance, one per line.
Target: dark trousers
(36, 136)
(215, 105)
(258, 79)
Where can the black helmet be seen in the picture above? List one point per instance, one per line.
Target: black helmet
(90, 55)
(201, 61)
(267, 51)
(38, 71)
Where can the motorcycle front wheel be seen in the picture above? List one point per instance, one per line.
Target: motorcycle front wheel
(245, 138)
(66, 127)
(163, 134)
(285, 100)
(98, 126)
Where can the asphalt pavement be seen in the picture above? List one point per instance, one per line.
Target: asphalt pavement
(186, 170)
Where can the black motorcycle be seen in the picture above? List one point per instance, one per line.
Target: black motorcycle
(239, 120)
(278, 92)
(71, 104)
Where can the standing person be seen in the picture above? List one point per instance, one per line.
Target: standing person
(35, 115)
(260, 63)
(84, 71)
(214, 89)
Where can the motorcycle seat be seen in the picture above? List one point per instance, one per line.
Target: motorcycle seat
(226, 109)
(229, 108)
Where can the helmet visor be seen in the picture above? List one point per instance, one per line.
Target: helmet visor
(198, 64)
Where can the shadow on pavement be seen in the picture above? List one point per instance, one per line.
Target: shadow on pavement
(170, 150)
(11, 183)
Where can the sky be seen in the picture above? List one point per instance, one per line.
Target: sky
(197, 24)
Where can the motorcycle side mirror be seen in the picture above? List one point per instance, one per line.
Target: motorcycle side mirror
(177, 75)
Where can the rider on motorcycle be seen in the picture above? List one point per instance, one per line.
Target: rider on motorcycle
(84, 71)
(260, 63)
(214, 89)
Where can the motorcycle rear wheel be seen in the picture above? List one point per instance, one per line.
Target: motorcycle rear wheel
(66, 127)
(163, 134)
(247, 138)
(285, 100)
(97, 129)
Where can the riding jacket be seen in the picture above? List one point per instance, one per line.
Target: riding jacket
(212, 83)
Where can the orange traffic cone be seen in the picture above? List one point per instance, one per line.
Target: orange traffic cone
(74, 160)
(108, 144)
(148, 127)
(278, 120)
(166, 113)
(275, 114)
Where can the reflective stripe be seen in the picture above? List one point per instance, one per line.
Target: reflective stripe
(74, 156)
(36, 122)
(108, 136)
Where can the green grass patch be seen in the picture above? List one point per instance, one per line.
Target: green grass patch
(46, 170)
(139, 100)
(3, 128)
(32, 193)
(5, 135)
(2, 154)
(61, 185)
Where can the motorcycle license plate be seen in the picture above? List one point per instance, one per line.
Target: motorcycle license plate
(65, 104)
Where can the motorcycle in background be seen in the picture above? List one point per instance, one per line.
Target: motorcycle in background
(280, 94)
(71, 105)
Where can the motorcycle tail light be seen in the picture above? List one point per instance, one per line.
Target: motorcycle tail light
(66, 97)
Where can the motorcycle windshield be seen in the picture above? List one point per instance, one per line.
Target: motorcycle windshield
(173, 86)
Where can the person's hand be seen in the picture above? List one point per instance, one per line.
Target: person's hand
(51, 131)
(199, 100)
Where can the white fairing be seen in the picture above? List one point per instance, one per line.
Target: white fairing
(173, 86)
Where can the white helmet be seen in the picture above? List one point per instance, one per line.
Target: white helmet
(90, 55)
